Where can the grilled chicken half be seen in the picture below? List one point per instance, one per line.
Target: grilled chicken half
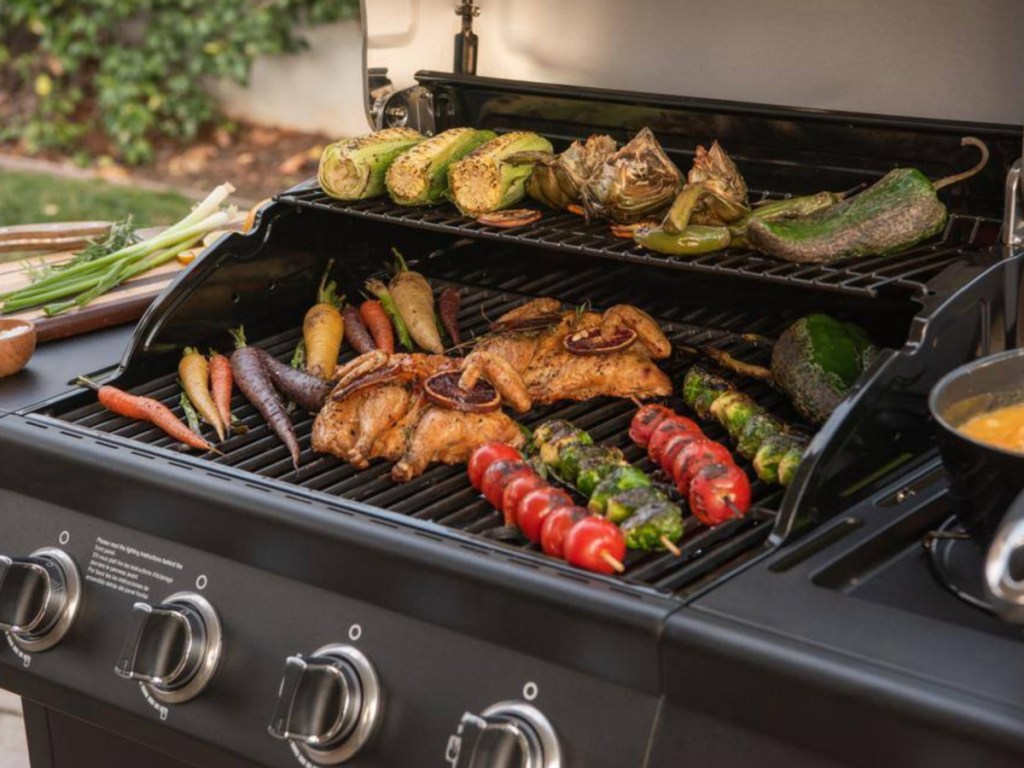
(378, 410)
(552, 372)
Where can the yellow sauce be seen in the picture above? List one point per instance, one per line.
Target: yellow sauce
(1002, 428)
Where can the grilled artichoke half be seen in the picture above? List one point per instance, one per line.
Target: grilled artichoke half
(558, 180)
(490, 178)
(632, 183)
(715, 193)
(354, 169)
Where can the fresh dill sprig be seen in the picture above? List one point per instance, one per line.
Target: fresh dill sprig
(121, 235)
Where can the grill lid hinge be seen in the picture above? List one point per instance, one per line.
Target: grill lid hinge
(466, 41)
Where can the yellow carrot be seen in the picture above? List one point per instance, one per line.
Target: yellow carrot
(194, 372)
(323, 329)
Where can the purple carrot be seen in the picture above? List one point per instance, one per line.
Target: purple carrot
(449, 310)
(303, 388)
(253, 379)
(355, 331)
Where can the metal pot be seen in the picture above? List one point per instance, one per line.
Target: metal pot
(984, 481)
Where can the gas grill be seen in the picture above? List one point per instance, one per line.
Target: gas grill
(375, 623)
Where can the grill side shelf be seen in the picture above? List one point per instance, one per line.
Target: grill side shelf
(907, 272)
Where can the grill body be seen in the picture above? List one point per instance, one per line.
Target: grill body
(421, 576)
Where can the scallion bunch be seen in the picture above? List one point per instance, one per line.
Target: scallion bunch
(81, 283)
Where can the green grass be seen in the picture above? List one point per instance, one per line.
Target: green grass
(29, 198)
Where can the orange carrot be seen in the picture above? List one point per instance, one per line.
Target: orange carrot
(379, 325)
(146, 409)
(221, 383)
(194, 372)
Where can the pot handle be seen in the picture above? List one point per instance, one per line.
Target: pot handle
(1006, 592)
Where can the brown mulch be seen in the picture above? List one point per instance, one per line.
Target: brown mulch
(260, 161)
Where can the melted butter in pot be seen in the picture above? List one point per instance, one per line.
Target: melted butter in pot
(1002, 428)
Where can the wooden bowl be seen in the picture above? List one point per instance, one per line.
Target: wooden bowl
(17, 343)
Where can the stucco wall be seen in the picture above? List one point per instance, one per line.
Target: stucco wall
(320, 89)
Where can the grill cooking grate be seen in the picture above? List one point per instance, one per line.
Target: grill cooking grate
(442, 494)
(570, 233)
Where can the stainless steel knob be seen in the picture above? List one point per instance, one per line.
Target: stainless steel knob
(173, 647)
(508, 735)
(39, 597)
(328, 704)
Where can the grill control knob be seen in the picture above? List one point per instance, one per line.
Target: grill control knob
(508, 735)
(328, 704)
(173, 648)
(39, 597)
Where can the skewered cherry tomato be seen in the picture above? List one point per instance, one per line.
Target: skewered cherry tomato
(692, 457)
(556, 527)
(484, 456)
(645, 421)
(595, 544)
(516, 489)
(535, 506)
(669, 427)
(500, 474)
(673, 446)
(719, 492)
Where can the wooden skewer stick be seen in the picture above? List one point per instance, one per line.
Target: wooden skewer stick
(671, 547)
(615, 564)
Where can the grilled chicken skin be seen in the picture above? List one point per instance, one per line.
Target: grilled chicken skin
(552, 373)
(378, 410)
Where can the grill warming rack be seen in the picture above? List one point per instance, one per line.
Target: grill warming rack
(908, 272)
(442, 494)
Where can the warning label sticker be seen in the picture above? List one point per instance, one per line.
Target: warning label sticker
(130, 570)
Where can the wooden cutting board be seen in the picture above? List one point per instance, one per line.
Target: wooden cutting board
(124, 304)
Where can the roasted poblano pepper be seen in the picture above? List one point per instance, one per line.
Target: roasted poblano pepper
(895, 213)
(816, 362)
(652, 525)
(618, 480)
(624, 503)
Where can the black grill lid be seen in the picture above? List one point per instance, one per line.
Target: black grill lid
(940, 59)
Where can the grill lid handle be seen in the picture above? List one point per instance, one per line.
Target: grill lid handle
(1004, 566)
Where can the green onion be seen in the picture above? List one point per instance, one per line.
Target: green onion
(91, 277)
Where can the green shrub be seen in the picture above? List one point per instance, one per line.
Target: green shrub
(134, 69)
